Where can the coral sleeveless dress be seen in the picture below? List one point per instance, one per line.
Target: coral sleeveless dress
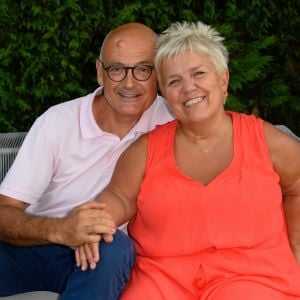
(222, 241)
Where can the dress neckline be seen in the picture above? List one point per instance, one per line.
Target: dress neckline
(232, 166)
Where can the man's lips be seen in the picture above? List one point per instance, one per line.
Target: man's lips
(129, 95)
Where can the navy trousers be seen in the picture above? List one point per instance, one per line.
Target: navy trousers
(53, 268)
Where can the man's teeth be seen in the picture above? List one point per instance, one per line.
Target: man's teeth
(129, 95)
(193, 101)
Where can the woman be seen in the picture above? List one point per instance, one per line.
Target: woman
(208, 222)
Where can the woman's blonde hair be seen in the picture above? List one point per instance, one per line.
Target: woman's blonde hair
(196, 37)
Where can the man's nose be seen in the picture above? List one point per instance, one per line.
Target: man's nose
(129, 79)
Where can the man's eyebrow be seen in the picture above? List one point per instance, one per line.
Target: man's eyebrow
(143, 62)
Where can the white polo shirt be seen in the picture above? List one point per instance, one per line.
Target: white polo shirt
(66, 159)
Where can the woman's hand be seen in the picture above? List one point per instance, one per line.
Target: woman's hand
(88, 255)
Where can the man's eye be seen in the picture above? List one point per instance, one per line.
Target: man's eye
(116, 69)
(142, 69)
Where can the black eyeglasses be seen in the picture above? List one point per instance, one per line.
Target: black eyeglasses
(118, 72)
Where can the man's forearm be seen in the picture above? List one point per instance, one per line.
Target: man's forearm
(21, 229)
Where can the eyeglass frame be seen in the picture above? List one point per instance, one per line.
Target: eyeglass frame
(107, 68)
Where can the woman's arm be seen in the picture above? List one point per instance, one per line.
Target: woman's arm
(285, 154)
(119, 197)
(121, 193)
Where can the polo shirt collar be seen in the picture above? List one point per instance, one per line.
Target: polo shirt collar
(89, 127)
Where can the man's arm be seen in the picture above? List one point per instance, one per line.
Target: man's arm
(84, 224)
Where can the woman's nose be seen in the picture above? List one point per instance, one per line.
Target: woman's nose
(188, 85)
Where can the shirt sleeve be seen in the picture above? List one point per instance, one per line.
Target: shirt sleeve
(33, 167)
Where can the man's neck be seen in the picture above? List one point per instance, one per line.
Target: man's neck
(110, 120)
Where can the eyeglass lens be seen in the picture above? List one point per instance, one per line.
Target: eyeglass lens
(139, 72)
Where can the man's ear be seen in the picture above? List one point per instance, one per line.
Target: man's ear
(99, 72)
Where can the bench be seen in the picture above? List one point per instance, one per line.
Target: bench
(9, 146)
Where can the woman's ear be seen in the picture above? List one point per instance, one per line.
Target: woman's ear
(224, 85)
(225, 80)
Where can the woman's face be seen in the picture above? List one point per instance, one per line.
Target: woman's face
(192, 86)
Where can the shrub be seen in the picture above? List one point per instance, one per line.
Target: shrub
(48, 51)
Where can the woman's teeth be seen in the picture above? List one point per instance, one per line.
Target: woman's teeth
(193, 101)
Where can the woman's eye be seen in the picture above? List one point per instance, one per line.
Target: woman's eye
(173, 82)
(198, 73)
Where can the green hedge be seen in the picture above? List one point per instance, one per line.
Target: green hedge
(48, 51)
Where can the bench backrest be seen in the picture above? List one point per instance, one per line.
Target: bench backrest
(10, 144)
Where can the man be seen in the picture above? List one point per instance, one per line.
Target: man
(66, 159)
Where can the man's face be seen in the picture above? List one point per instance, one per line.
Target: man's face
(128, 97)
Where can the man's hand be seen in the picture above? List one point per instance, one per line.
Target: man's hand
(84, 225)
